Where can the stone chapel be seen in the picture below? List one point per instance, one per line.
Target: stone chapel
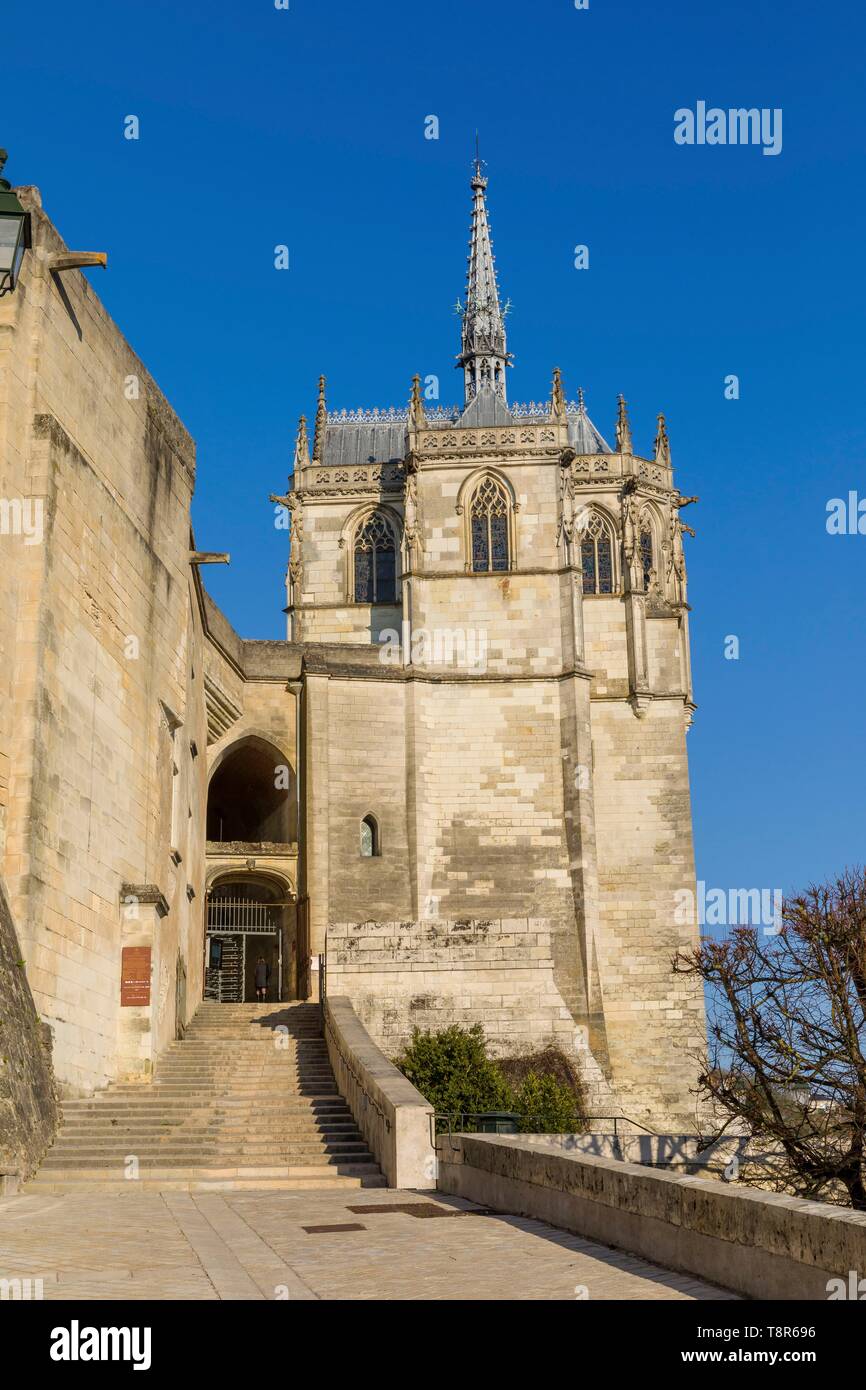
(457, 792)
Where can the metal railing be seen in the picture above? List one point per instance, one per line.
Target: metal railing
(449, 1124)
(239, 914)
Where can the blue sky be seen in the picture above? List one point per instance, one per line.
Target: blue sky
(306, 127)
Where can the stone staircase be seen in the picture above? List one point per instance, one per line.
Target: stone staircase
(247, 1100)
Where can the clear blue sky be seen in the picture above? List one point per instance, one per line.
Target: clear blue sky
(306, 127)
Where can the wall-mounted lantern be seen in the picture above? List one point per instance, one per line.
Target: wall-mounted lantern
(14, 233)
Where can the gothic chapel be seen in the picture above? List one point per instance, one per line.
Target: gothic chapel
(497, 822)
(458, 791)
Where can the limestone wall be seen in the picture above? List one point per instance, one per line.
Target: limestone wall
(28, 1103)
(394, 1118)
(430, 974)
(103, 723)
(655, 1018)
(759, 1244)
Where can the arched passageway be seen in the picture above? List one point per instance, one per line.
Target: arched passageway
(250, 917)
(251, 798)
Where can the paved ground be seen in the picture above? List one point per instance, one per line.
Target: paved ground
(253, 1245)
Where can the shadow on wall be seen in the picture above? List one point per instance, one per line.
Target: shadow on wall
(251, 796)
(28, 1096)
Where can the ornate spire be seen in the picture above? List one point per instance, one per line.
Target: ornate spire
(417, 418)
(623, 429)
(663, 445)
(302, 446)
(557, 397)
(321, 424)
(484, 355)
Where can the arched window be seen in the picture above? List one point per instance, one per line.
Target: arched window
(375, 559)
(646, 552)
(370, 847)
(596, 556)
(489, 520)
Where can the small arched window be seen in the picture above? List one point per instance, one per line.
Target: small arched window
(488, 516)
(596, 556)
(370, 846)
(375, 562)
(646, 553)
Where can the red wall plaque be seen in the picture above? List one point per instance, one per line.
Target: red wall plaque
(134, 976)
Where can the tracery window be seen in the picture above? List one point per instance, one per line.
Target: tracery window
(646, 553)
(489, 521)
(375, 560)
(596, 556)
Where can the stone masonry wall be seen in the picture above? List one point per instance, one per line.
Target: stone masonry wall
(104, 717)
(28, 1101)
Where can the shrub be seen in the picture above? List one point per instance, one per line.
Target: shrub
(452, 1071)
(548, 1106)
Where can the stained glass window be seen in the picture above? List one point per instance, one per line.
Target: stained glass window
(596, 556)
(646, 553)
(489, 518)
(375, 562)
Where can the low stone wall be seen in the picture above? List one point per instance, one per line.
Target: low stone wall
(760, 1245)
(653, 1150)
(393, 1117)
(28, 1099)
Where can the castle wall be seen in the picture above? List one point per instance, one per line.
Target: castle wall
(655, 1018)
(101, 704)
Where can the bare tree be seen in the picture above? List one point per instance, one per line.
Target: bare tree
(787, 1034)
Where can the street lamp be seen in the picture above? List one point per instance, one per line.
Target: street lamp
(14, 233)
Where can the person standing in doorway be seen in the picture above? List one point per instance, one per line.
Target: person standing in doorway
(262, 973)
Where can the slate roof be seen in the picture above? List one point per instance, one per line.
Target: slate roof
(583, 437)
(354, 445)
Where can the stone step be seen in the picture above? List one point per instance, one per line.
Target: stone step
(233, 1106)
(275, 1076)
(227, 1109)
(204, 1124)
(171, 1088)
(203, 1172)
(86, 1154)
(195, 1157)
(57, 1186)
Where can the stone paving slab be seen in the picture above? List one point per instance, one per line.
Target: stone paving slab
(252, 1245)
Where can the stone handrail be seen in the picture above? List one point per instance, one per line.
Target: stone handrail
(393, 1117)
(757, 1243)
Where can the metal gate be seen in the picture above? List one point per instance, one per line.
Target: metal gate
(230, 921)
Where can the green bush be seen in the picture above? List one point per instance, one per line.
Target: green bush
(547, 1106)
(452, 1071)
